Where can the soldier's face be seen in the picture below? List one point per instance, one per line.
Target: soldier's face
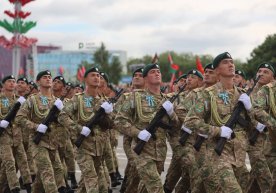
(58, 85)
(226, 68)
(45, 81)
(266, 76)
(138, 80)
(9, 85)
(21, 86)
(181, 82)
(92, 79)
(210, 76)
(238, 79)
(78, 90)
(153, 77)
(192, 81)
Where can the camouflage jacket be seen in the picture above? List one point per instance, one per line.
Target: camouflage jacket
(135, 115)
(210, 112)
(32, 113)
(12, 134)
(264, 109)
(76, 113)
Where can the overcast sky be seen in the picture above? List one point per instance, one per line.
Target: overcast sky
(147, 26)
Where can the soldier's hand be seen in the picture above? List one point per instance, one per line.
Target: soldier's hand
(225, 132)
(59, 104)
(108, 107)
(168, 106)
(85, 131)
(144, 135)
(21, 99)
(186, 129)
(260, 127)
(42, 128)
(245, 99)
(4, 124)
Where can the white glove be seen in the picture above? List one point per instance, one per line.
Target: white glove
(245, 99)
(58, 103)
(186, 129)
(203, 135)
(225, 132)
(144, 135)
(85, 131)
(260, 127)
(4, 124)
(108, 107)
(42, 128)
(21, 99)
(168, 106)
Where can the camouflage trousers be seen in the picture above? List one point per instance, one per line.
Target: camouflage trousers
(108, 156)
(133, 179)
(93, 178)
(50, 174)
(67, 156)
(260, 172)
(271, 160)
(183, 185)
(149, 172)
(8, 170)
(29, 158)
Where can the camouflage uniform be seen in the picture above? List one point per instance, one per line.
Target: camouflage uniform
(209, 113)
(8, 170)
(265, 112)
(136, 113)
(259, 167)
(50, 175)
(77, 112)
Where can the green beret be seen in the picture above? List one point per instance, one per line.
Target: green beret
(137, 70)
(196, 72)
(241, 73)
(42, 73)
(79, 86)
(7, 78)
(70, 84)
(148, 67)
(33, 84)
(182, 76)
(61, 78)
(23, 79)
(209, 66)
(94, 69)
(104, 75)
(268, 66)
(221, 57)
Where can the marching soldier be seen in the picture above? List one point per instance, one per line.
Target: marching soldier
(210, 113)
(50, 175)
(77, 112)
(240, 79)
(132, 122)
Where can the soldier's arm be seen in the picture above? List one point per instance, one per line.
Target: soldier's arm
(127, 147)
(23, 116)
(260, 105)
(195, 119)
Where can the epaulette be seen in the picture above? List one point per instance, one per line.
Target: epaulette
(66, 100)
(138, 90)
(270, 85)
(210, 88)
(243, 90)
(126, 94)
(198, 89)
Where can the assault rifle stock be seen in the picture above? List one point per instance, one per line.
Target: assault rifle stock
(93, 121)
(154, 123)
(232, 120)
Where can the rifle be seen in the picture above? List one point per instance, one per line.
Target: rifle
(12, 112)
(50, 118)
(94, 120)
(155, 122)
(232, 120)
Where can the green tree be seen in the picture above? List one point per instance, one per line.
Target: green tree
(108, 64)
(266, 52)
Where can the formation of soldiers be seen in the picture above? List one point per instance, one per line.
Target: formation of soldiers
(48, 126)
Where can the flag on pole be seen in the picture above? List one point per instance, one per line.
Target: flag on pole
(199, 66)
(80, 73)
(174, 68)
(155, 59)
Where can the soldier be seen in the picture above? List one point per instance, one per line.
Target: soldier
(260, 172)
(210, 113)
(33, 87)
(132, 122)
(22, 86)
(50, 175)
(131, 179)
(79, 88)
(264, 111)
(77, 112)
(11, 140)
(239, 79)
